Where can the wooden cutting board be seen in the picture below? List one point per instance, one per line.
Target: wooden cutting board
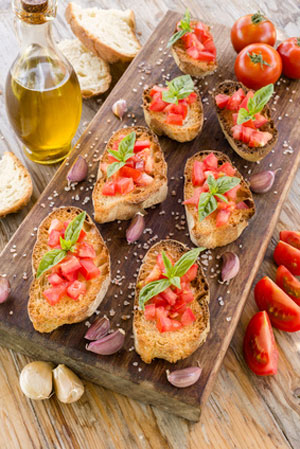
(125, 372)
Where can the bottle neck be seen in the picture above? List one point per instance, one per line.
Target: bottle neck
(30, 34)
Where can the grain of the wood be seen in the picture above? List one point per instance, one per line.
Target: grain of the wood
(209, 432)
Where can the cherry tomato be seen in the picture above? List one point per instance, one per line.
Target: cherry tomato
(289, 51)
(258, 65)
(250, 29)
(260, 350)
(291, 237)
(282, 310)
(289, 284)
(288, 256)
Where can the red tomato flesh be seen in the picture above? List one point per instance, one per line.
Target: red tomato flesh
(288, 256)
(69, 265)
(88, 269)
(291, 237)
(86, 251)
(76, 289)
(289, 284)
(54, 294)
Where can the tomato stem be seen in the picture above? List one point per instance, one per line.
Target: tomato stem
(257, 18)
(257, 58)
(298, 41)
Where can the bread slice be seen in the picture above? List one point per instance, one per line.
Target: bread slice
(123, 207)
(46, 318)
(189, 65)
(108, 33)
(205, 233)
(252, 154)
(191, 127)
(93, 72)
(15, 184)
(171, 346)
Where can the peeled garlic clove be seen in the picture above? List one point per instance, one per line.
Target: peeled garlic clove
(230, 267)
(79, 170)
(183, 378)
(136, 228)
(119, 108)
(68, 387)
(4, 289)
(36, 380)
(108, 345)
(262, 182)
(98, 329)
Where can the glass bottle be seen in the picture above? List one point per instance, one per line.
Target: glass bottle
(43, 98)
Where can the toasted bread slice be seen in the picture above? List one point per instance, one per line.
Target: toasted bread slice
(15, 184)
(205, 233)
(189, 65)
(46, 318)
(93, 72)
(171, 346)
(252, 154)
(123, 207)
(191, 127)
(108, 33)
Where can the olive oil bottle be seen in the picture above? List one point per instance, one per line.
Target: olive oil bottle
(43, 97)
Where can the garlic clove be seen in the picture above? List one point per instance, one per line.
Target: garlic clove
(108, 345)
(230, 267)
(262, 182)
(183, 378)
(4, 289)
(98, 329)
(67, 385)
(135, 228)
(119, 108)
(79, 170)
(36, 380)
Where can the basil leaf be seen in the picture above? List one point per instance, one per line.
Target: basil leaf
(66, 245)
(243, 116)
(169, 97)
(176, 37)
(49, 260)
(126, 146)
(222, 197)
(185, 27)
(115, 154)
(176, 281)
(226, 183)
(74, 228)
(113, 168)
(207, 205)
(186, 261)
(261, 97)
(152, 289)
(168, 264)
(250, 106)
(179, 88)
(212, 184)
(186, 17)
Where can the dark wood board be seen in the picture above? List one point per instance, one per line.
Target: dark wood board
(125, 372)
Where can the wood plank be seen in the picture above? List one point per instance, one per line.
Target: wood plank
(66, 345)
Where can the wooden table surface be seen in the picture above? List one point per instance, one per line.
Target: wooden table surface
(244, 411)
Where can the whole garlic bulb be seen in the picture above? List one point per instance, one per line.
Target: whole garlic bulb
(68, 387)
(36, 380)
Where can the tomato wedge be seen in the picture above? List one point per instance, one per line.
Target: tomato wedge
(289, 284)
(291, 237)
(260, 350)
(288, 256)
(283, 311)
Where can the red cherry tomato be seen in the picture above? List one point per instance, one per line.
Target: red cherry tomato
(291, 237)
(289, 284)
(289, 51)
(288, 256)
(250, 29)
(258, 65)
(260, 349)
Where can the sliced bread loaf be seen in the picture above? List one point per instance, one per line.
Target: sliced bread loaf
(15, 184)
(108, 33)
(93, 72)
(171, 345)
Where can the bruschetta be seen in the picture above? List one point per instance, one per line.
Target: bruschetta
(218, 201)
(132, 175)
(71, 270)
(253, 139)
(173, 323)
(174, 110)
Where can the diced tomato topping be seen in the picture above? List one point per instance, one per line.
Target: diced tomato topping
(160, 263)
(260, 120)
(56, 225)
(157, 103)
(82, 236)
(211, 161)
(128, 172)
(76, 289)
(109, 189)
(86, 250)
(169, 296)
(222, 217)
(154, 275)
(222, 100)
(178, 109)
(191, 274)
(88, 269)
(54, 238)
(235, 100)
(141, 145)
(69, 265)
(191, 98)
(259, 139)
(187, 296)
(72, 276)
(244, 103)
(157, 89)
(160, 302)
(149, 165)
(201, 31)
(198, 176)
(210, 47)
(124, 186)
(144, 180)
(174, 119)
(232, 193)
(54, 294)
(242, 205)
(194, 200)
(149, 312)
(188, 317)
(55, 279)
(227, 169)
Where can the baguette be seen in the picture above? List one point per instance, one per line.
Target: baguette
(108, 33)
(124, 207)
(252, 154)
(205, 233)
(191, 127)
(15, 184)
(46, 318)
(172, 345)
(189, 65)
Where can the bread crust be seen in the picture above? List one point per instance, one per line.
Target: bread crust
(156, 120)
(206, 233)
(46, 318)
(187, 64)
(27, 192)
(124, 207)
(175, 345)
(94, 44)
(252, 154)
